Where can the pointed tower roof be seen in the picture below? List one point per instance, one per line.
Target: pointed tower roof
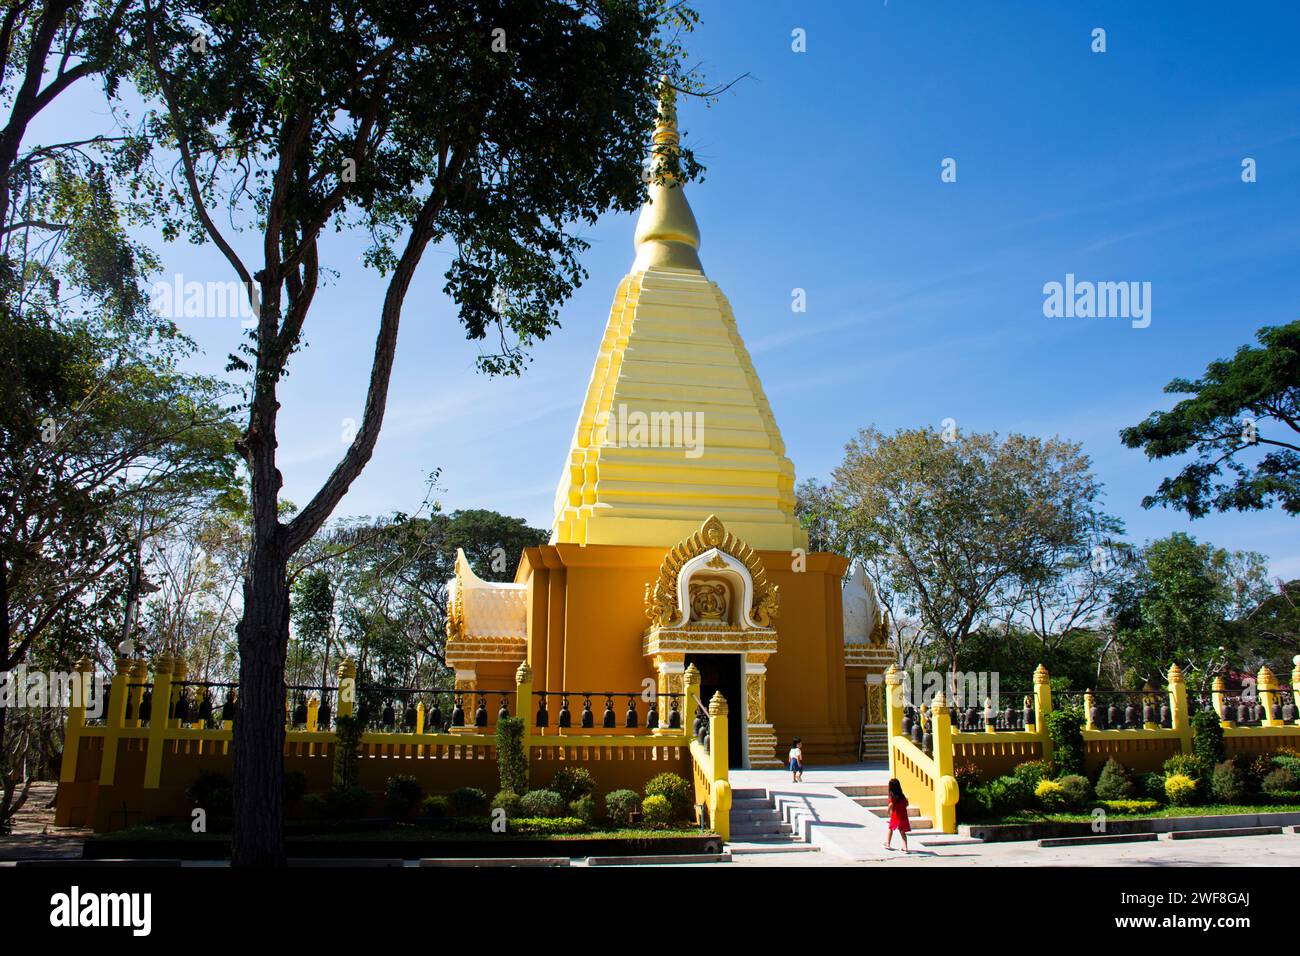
(675, 426)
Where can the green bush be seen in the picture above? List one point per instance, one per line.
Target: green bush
(546, 825)
(542, 803)
(1122, 807)
(1228, 782)
(675, 790)
(1032, 773)
(348, 803)
(314, 806)
(1065, 727)
(1281, 784)
(1207, 739)
(573, 783)
(967, 776)
(1114, 783)
(621, 804)
(1051, 796)
(512, 762)
(1078, 791)
(584, 808)
(657, 810)
(295, 785)
(1180, 790)
(402, 795)
(507, 801)
(1152, 785)
(435, 808)
(347, 764)
(213, 792)
(999, 797)
(1284, 761)
(1185, 764)
(468, 802)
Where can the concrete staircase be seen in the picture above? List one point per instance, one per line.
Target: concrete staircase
(757, 826)
(875, 798)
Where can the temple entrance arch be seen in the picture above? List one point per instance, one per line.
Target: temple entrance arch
(722, 672)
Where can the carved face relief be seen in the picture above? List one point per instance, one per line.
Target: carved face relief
(709, 601)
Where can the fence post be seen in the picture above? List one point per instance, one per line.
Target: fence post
(719, 786)
(945, 784)
(691, 686)
(1219, 688)
(1267, 685)
(114, 721)
(1295, 686)
(347, 687)
(179, 673)
(158, 720)
(893, 711)
(76, 721)
(1043, 707)
(1179, 716)
(1088, 703)
(524, 706)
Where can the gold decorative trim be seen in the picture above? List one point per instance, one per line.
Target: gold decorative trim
(661, 600)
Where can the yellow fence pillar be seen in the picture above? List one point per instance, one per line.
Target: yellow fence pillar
(719, 786)
(524, 710)
(1295, 686)
(1088, 703)
(1179, 717)
(945, 784)
(158, 720)
(347, 687)
(1043, 707)
(76, 720)
(1267, 685)
(115, 719)
(893, 711)
(1220, 687)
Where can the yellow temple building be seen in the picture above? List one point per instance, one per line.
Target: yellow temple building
(674, 539)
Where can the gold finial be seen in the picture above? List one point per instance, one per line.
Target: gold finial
(718, 706)
(1040, 675)
(667, 234)
(1175, 674)
(523, 673)
(1265, 680)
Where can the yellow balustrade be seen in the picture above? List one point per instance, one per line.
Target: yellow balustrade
(712, 788)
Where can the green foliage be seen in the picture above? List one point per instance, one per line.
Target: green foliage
(1152, 785)
(348, 803)
(1123, 807)
(1207, 738)
(314, 806)
(1032, 772)
(1228, 783)
(507, 801)
(1065, 726)
(657, 810)
(468, 802)
(999, 797)
(402, 795)
(573, 783)
(213, 792)
(1281, 784)
(347, 762)
(1077, 790)
(967, 776)
(295, 785)
(621, 804)
(435, 807)
(1255, 389)
(546, 825)
(675, 790)
(1115, 782)
(584, 808)
(542, 803)
(1189, 765)
(1180, 790)
(1051, 796)
(512, 763)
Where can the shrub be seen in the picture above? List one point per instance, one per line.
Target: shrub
(1115, 783)
(1283, 761)
(1122, 807)
(1077, 789)
(621, 804)
(512, 762)
(967, 776)
(1257, 767)
(1051, 796)
(507, 801)
(1185, 764)
(999, 797)
(347, 765)
(295, 785)
(402, 795)
(542, 803)
(675, 790)
(348, 803)
(468, 802)
(546, 824)
(1066, 730)
(584, 808)
(1281, 784)
(213, 792)
(573, 783)
(1032, 773)
(314, 806)
(1228, 782)
(1152, 785)
(1207, 738)
(435, 808)
(1180, 790)
(657, 810)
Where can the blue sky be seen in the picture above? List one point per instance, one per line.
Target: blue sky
(924, 298)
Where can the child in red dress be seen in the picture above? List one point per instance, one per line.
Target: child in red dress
(897, 814)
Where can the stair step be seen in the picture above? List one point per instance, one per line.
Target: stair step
(864, 790)
(750, 803)
(881, 801)
(748, 793)
(770, 846)
(740, 829)
(883, 812)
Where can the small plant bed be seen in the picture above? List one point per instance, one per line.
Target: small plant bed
(1159, 813)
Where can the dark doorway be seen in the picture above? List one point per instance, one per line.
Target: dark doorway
(722, 672)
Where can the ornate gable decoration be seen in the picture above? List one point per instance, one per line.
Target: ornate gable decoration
(664, 603)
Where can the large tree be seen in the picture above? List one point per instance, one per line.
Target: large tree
(957, 529)
(488, 128)
(1243, 424)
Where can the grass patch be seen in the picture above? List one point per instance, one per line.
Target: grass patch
(1205, 810)
(160, 832)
